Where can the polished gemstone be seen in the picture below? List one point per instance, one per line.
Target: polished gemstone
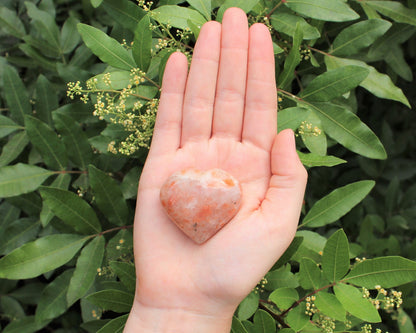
(199, 202)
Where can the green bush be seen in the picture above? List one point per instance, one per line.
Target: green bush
(78, 104)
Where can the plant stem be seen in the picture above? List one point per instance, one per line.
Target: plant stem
(152, 82)
(274, 8)
(295, 304)
(276, 316)
(72, 172)
(118, 92)
(113, 229)
(319, 51)
(289, 95)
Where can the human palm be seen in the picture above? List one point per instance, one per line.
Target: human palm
(221, 115)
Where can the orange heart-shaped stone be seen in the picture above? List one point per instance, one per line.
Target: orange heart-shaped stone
(201, 202)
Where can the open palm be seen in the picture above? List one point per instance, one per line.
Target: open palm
(221, 115)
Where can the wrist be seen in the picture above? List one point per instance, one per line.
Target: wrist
(148, 319)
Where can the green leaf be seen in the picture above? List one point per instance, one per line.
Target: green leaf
(248, 306)
(336, 259)
(126, 13)
(62, 181)
(326, 10)
(45, 101)
(280, 278)
(177, 16)
(358, 36)
(53, 302)
(46, 26)
(10, 23)
(70, 37)
(29, 203)
(353, 301)
(334, 83)
(237, 326)
(131, 182)
(246, 5)
(329, 305)
(8, 126)
(47, 143)
(142, 44)
(109, 197)
(336, 204)
(18, 233)
(310, 275)
(397, 34)
(115, 325)
(96, 3)
(404, 321)
(71, 209)
(284, 297)
(384, 271)
(203, 6)
(75, 140)
(378, 84)
(40, 256)
(85, 272)
(15, 95)
(314, 160)
(37, 58)
(296, 318)
(290, 251)
(126, 273)
(118, 79)
(311, 247)
(8, 214)
(40, 45)
(286, 23)
(11, 308)
(27, 324)
(106, 48)
(291, 118)
(347, 129)
(112, 299)
(263, 322)
(21, 178)
(395, 59)
(395, 10)
(292, 60)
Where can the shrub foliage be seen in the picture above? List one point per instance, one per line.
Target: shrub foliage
(79, 89)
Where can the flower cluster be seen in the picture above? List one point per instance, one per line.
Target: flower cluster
(310, 306)
(386, 300)
(326, 323)
(308, 129)
(125, 107)
(367, 328)
(260, 286)
(146, 5)
(174, 40)
(305, 53)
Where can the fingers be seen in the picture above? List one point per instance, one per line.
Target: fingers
(231, 84)
(167, 132)
(260, 117)
(284, 197)
(200, 88)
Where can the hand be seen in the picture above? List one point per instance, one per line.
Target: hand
(222, 115)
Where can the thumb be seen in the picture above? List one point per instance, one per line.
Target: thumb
(284, 198)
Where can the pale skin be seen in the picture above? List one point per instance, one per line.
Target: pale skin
(222, 114)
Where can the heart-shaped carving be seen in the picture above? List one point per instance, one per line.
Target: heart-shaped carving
(201, 202)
